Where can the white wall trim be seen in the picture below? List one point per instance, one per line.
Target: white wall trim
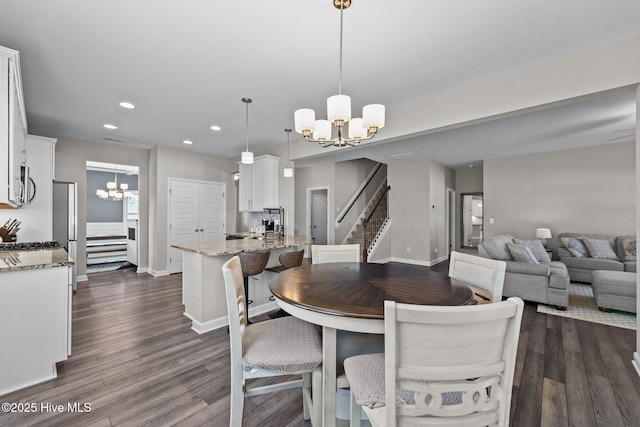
(158, 273)
(636, 362)
(220, 322)
(418, 262)
(82, 278)
(141, 270)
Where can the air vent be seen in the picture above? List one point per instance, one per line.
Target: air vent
(405, 157)
(113, 139)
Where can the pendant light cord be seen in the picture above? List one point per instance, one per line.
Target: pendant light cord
(340, 63)
(246, 104)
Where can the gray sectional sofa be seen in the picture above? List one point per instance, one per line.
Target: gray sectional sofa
(580, 261)
(541, 280)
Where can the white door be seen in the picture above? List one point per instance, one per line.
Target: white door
(182, 221)
(197, 214)
(319, 217)
(211, 211)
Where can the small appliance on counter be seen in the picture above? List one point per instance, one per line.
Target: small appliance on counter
(274, 225)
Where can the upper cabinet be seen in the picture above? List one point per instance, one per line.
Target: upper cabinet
(259, 185)
(13, 130)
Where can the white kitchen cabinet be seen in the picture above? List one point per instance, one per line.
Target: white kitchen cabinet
(36, 325)
(259, 185)
(13, 129)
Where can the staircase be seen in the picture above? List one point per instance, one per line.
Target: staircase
(374, 218)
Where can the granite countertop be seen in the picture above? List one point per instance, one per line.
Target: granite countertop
(249, 244)
(30, 259)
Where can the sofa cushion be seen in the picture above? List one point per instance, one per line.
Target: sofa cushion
(629, 266)
(574, 246)
(600, 248)
(521, 253)
(592, 264)
(496, 247)
(536, 248)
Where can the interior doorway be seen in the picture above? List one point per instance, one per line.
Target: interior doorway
(112, 219)
(318, 214)
(451, 220)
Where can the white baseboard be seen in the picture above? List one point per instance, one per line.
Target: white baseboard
(411, 261)
(636, 362)
(220, 322)
(159, 273)
(82, 278)
(140, 270)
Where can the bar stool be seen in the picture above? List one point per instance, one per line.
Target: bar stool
(287, 260)
(251, 263)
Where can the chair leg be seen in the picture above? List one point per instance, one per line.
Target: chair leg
(316, 389)
(306, 387)
(237, 401)
(355, 411)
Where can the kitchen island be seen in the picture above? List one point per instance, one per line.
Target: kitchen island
(203, 293)
(35, 315)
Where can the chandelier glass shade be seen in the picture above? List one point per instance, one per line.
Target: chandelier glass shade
(113, 192)
(247, 156)
(339, 113)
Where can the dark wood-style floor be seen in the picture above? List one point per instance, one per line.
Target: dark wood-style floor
(137, 362)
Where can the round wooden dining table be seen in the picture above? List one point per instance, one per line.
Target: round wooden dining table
(350, 297)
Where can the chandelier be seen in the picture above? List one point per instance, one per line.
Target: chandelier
(339, 113)
(113, 192)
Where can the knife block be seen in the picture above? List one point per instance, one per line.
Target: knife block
(5, 236)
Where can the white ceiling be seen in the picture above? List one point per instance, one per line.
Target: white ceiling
(186, 66)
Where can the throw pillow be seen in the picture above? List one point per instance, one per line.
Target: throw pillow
(496, 247)
(599, 248)
(629, 246)
(521, 253)
(574, 246)
(539, 252)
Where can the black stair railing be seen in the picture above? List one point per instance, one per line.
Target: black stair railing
(374, 220)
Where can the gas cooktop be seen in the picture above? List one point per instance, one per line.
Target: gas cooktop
(21, 246)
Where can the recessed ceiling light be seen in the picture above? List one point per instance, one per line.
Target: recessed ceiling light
(186, 141)
(128, 105)
(216, 128)
(108, 126)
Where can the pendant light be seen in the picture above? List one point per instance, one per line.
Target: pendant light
(288, 171)
(247, 156)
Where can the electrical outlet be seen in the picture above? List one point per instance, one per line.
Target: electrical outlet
(408, 249)
(490, 220)
(435, 250)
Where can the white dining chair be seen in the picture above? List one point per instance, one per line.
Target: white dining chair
(459, 373)
(275, 347)
(486, 276)
(335, 253)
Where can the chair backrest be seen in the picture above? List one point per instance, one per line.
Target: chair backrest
(291, 259)
(483, 273)
(460, 369)
(335, 253)
(253, 263)
(234, 287)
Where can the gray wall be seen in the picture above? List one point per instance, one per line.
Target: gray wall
(100, 210)
(71, 158)
(586, 190)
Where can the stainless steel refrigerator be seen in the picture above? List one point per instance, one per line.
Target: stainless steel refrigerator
(65, 221)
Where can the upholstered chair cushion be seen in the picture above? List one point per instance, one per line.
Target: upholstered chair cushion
(521, 253)
(366, 379)
(536, 248)
(284, 345)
